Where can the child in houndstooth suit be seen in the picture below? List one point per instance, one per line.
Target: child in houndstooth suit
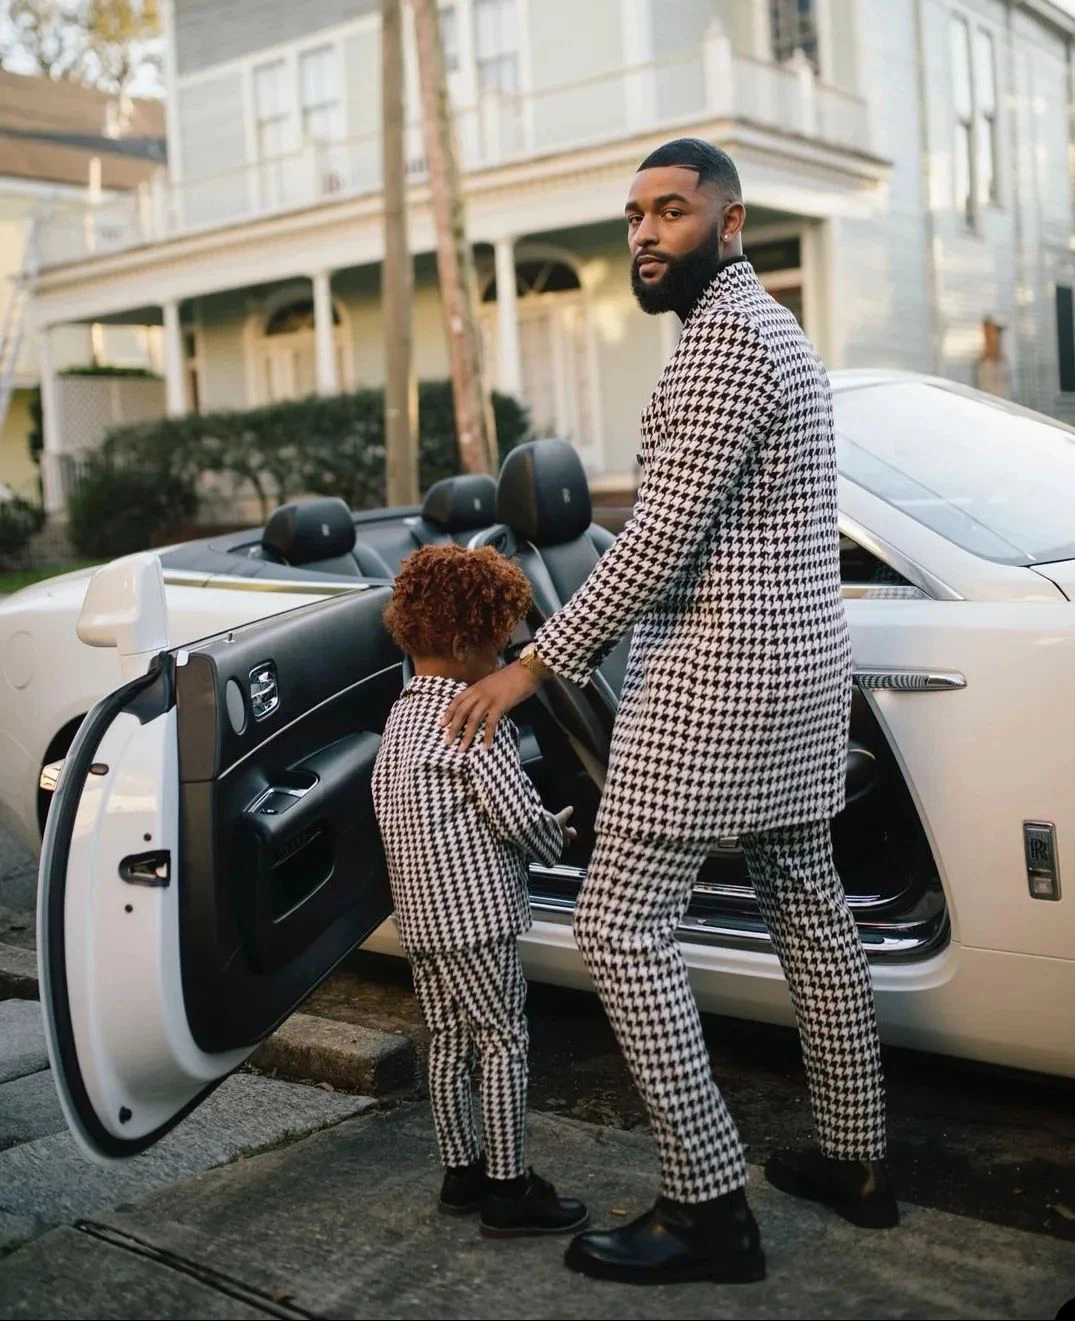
(459, 829)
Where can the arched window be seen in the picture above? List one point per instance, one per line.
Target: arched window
(298, 315)
(538, 277)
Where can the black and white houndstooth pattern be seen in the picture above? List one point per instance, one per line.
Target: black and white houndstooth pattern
(458, 827)
(805, 908)
(735, 706)
(473, 1002)
(634, 896)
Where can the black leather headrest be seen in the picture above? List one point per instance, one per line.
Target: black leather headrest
(310, 530)
(458, 504)
(543, 493)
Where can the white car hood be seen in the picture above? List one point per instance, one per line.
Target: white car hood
(1062, 573)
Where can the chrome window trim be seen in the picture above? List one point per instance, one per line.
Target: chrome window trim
(228, 583)
(916, 574)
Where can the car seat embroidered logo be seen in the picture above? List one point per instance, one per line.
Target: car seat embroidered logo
(567, 495)
(324, 529)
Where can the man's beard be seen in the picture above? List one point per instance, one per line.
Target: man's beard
(684, 281)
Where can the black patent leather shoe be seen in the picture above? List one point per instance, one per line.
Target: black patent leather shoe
(536, 1209)
(675, 1242)
(858, 1190)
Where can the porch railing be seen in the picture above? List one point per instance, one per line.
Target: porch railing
(709, 82)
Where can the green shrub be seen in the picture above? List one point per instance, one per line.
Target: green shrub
(141, 487)
(19, 520)
(117, 509)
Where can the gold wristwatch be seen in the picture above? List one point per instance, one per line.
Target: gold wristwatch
(530, 660)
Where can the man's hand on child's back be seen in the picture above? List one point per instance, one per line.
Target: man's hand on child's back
(564, 816)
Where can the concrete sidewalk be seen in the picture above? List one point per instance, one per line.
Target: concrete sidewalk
(44, 1179)
(343, 1224)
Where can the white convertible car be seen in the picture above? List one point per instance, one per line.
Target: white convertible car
(210, 851)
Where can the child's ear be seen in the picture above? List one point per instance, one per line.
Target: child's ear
(460, 650)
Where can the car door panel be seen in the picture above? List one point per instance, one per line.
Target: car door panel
(273, 900)
(178, 923)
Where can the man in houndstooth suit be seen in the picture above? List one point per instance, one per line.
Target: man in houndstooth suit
(733, 721)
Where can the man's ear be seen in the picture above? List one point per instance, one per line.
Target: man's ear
(735, 215)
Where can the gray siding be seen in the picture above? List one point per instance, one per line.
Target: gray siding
(1008, 264)
(362, 74)
(213, 143)
(880, 285)
(209, 31)
(680, 81)
(561, 54)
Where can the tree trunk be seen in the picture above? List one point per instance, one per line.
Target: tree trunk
(455, 261)
(397, 293)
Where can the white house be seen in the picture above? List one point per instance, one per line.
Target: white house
(907, 167)
(66, 152)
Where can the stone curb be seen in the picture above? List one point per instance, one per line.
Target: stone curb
(18, 973)
(347, 1056)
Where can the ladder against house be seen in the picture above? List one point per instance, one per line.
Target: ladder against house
(13, 327)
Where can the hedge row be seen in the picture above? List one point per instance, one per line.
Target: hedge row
(143, 487)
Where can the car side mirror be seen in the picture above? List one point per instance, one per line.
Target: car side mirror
(125, 608)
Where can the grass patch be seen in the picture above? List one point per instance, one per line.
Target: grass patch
(16, 579)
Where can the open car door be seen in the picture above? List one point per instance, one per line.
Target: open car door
(211, 851)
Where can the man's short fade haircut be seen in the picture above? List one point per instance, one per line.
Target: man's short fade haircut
(713, 165)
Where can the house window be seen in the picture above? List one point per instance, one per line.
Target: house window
(449, 36)
(322, 114)
(497, 44)
(985, 88)
(974, 97)
(273, 109)
(1065, 335)
(963, 102)
(794, 28)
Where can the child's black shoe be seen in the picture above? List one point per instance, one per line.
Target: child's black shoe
(529, 1205)
(464, 1189)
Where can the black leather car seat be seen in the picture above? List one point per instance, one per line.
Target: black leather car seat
(319, 535)
(454, 509)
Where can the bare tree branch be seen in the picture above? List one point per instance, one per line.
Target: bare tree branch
(102, 43)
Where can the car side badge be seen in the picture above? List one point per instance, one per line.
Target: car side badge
(1042, 871)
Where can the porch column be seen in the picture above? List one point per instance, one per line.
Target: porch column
(639, 84)
(175, 387)
(509, 361)
(324, 335)
(51, 460)
(718, 67)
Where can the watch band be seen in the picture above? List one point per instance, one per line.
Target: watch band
(530, 660)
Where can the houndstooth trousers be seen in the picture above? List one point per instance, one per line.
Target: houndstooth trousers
(634, 896)
(473, 1002)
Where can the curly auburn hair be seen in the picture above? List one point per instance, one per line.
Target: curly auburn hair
(445, 592)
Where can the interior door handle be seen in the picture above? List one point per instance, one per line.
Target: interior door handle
(264, 690)
(911, 681)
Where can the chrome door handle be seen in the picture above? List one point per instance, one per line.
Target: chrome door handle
(264, 690)
(911, 681)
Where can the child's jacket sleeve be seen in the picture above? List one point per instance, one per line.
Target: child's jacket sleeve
(509, 799)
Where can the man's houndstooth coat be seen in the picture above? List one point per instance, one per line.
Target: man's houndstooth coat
(735, 705)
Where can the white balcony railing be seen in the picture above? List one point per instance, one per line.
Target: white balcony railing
(705, 83)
